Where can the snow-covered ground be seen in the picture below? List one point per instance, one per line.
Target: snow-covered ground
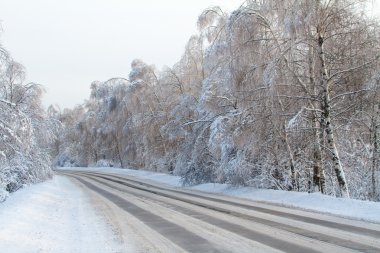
(58, 216)
(350, 208)
(54, 216)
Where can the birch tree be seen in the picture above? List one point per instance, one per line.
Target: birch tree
(276, 94)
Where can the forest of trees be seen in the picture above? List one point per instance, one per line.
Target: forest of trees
(277, 94)
(26, 131)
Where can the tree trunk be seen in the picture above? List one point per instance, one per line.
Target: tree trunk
(291, 159)
(326, 115)
(376, 152)
(337, 165)
(319, 181)
(117, 140)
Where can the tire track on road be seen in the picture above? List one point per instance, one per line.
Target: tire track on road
(248, 233)
(310, 220)
(292, 229)
(177, 234)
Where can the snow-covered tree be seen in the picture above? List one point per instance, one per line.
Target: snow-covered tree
(26, 131)
(276, 94)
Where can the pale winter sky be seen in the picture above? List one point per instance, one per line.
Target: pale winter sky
(67, 44)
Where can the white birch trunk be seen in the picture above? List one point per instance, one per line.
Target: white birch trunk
(291, 159)
(319, 181)
(331, 145)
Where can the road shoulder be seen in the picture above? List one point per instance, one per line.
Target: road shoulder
(55, 216)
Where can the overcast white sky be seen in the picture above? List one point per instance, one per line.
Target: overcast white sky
(67, 44)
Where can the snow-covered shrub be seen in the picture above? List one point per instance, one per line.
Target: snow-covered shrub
(197, 164)
(201, 169)
(240, 171)
(104, 163)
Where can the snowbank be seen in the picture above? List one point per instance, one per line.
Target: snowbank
(350, 208)
(54, 216)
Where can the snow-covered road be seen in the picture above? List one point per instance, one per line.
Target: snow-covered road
(134, 211)
(177, 220)
(350, 208)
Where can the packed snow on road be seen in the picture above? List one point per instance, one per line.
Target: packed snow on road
(59, 216)
(349, 208)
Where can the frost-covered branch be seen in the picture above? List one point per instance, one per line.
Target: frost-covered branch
(7, 102)
(349, 93)
(352, 69)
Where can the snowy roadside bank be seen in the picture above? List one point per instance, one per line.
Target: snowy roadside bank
(350, 208)
(54, 216)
